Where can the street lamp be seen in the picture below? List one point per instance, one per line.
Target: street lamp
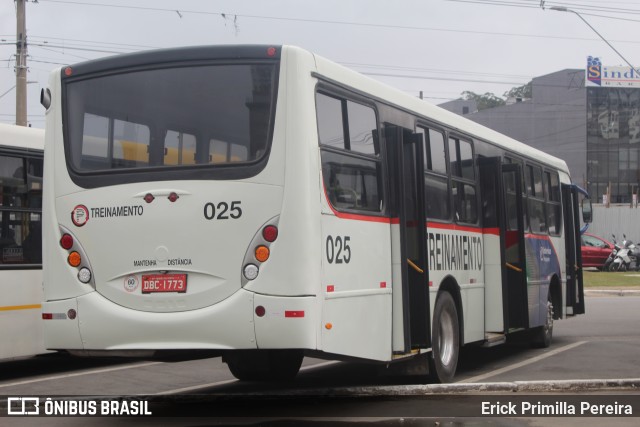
(564, 9)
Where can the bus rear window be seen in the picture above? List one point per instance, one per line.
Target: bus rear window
(181, 117)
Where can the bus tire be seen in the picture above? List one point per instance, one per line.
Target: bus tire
(542, 335)
(445, 340)
(264, 365)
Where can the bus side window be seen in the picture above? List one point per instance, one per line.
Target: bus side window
(465, 199)
(436, 181)
(554, 208)
(351, 168)
(536, 203)
(20, 210)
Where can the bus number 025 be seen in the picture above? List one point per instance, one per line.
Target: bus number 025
(338, 249)
(222, 210)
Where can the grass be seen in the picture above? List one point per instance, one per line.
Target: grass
(608, 280)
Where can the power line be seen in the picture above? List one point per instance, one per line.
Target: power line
(320, 21)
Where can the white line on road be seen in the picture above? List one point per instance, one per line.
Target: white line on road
(523, 363)
(197, 387)
(78, 374)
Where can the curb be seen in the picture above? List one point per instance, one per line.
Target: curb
(610, 292)
(572, 386)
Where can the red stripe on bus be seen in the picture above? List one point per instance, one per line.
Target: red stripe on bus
(290, 313)
(380, 219)
(494, 231)
(536, 236)
(355, 217)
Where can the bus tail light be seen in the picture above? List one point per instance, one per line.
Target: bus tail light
(270, 233)
(262, 253)
(259, 250)
(66, 241)
(76, 257)
(84, 275)
(250, 271)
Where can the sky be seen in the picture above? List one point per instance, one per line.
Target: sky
(439, 47)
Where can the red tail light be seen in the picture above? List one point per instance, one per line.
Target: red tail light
(270, 233)
(66, 241)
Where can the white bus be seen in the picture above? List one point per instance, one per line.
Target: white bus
(21, 241)
(270, 204)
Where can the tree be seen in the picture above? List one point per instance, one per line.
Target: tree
(487, 100)
(523, 92)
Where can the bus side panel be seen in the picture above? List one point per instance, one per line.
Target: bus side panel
(457, 252)
(288, 322)
(494, 315)
(20, 314)
(542, 264)
(356, 280)
(61, 333)
(294, 267)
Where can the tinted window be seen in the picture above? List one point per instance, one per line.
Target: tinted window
(437, 196)
(465, 202)
(330, 129)
(461, 158)
(133, 120)
(436, 182)
(554, 208)
(179, 148)
(434, 152)
(351, 170)
(20, 207)
(351, 182)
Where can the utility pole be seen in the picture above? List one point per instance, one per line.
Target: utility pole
(21, 64)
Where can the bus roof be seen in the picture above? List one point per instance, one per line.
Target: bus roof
(390, 95)
(21, 137)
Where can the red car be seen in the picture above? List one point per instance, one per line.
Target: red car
(595, 250)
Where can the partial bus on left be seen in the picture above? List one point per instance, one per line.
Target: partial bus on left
(21, 162)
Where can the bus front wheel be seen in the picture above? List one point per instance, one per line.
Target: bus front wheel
(264, 365)
(445, 340)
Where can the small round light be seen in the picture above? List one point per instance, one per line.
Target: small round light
(72, 314)
(260, 311)
(84, 275)
(68, 71)
(74, 259)
(271, 51)
(262, 253)
(270, 233)
(251, 271)
(173, 197)
(328, 326)
(66, 241)
(149, 198)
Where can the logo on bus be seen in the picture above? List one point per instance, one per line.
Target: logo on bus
(80, 215)
(131, 283)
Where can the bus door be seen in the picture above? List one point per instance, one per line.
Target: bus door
(575, 285)
(406, 170)
(512, 250)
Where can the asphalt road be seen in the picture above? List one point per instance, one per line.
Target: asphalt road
(603, 344)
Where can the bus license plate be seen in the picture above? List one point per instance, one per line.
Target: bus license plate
(164, 283)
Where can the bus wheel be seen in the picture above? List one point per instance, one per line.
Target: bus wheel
(264, 365)
(541, 336)
(445, 340)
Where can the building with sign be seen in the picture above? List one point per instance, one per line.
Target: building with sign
(613, 132)
(590, 119)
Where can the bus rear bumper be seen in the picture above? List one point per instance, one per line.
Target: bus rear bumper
(287, 322)
(102, 325)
